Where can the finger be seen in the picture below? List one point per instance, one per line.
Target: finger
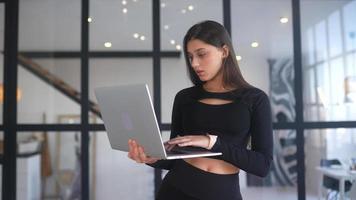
(179, 140)
(142, 154)
(135, 152)
(189, 143)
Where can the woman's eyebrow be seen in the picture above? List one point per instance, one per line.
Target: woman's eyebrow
(200, 49)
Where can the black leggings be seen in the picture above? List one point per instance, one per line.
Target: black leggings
(186, 182)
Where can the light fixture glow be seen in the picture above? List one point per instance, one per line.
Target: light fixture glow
(142, 37)
(124, 10)
(136, 35)
(163, 5)
(254, 44)
(107, 44)
(166, 27)
(173, 42)
(90, 19)
(190, 7)
(238, 58)
(124, 2)
(283, 20)
(178, 47)
(184, 11)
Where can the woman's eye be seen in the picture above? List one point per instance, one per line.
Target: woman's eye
(201, 55)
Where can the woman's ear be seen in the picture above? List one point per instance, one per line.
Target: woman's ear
(225, 50)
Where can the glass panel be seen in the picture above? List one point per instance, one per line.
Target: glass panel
(48, 163)
(329, 144)
(2, 34)
(281, 183)
(111, 72)
(174, 75)
(174, 78)
(47, 86)
(108, 19)
(41, 101)
(329, 69)
(188, 13)
(49, 25)
(115, 175)
(271, 59)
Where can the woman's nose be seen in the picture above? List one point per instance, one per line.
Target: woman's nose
(194, 63)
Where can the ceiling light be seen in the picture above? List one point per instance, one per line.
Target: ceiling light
(283, 20)
(163, 5)
(90, 19)
(142, 37)
(254, 44)
(166, 27)
(107, 44)
(184, 11)
(190, 7)
(134, 0)
(173, 42)
(178, 47)
(124, 2)
(124, 10)
(238, 58)
(136, 35)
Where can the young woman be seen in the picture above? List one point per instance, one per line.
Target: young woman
(222, 113)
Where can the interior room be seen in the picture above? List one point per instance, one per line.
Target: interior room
(53, 143)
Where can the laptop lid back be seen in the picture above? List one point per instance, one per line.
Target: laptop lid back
(128, 113)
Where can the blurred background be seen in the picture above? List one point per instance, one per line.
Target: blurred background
(140, 41)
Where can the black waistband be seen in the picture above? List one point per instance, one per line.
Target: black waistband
(203, 185)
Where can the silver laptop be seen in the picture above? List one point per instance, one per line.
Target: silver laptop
(128, 113)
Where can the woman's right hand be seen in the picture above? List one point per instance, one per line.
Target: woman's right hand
(137, 153)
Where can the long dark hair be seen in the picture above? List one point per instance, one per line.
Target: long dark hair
(215, 34)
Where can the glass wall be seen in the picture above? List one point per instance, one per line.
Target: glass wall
(120, 25)
(329, 144)
(2, 34)
(262, 35)
(329, 60)
(48, 86)
(174, 75)
(48, 164)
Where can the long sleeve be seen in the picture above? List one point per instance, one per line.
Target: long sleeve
(256, 161)
(176, 128)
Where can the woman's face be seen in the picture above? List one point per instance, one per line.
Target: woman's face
(205, 59)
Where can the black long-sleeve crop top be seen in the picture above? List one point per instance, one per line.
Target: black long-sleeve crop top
(246, 118)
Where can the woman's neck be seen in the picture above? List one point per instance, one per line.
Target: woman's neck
(215, 85)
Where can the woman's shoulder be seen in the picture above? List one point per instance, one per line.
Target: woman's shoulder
(187, 92)
(252, 96)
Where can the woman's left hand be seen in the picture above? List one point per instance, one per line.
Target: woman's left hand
(191, 140)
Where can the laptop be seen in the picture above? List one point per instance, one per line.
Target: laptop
(128, 113)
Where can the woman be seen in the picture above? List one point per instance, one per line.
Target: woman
(222, 113)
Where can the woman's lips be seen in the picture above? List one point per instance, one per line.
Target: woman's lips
(200, 73)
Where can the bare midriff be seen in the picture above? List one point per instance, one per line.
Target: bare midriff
(209, 164)
(213, 165)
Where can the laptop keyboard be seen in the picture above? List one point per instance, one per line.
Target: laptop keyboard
(185, 150)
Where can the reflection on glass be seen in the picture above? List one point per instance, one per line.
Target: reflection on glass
(123, 26)
(339, 144)
(178, 16)
(329, 44)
